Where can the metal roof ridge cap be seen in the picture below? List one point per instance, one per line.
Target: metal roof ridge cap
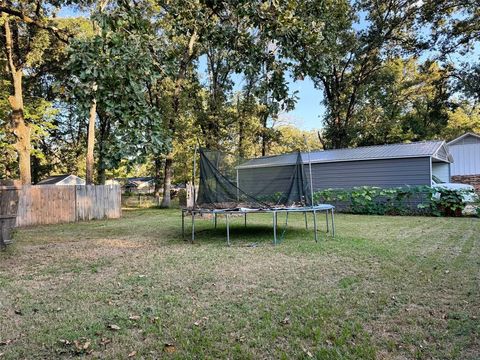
(373, 158)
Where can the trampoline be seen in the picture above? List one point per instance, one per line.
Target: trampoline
(219, 194)
(327, 208)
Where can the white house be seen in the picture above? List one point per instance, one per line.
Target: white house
(62, 180)
(465, 151)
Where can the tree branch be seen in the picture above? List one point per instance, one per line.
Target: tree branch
(60, 34)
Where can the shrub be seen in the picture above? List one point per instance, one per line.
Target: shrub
(409, 200)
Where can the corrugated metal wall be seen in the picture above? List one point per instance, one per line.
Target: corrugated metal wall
(466, 156)
(347, 174)
(441, 170)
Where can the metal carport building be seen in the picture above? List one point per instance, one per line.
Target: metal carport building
(383, 166)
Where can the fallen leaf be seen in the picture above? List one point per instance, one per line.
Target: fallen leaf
(65, 342)
(197, 323)
(241, 339)
(309, 354)
(134, 317)
(18, 312)
(5, 342)
(286, 321)
(132, 354)
(169, 348)
(78, 344)
(105, 341)
(114, 327)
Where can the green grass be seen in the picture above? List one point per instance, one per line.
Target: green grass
(385, 287)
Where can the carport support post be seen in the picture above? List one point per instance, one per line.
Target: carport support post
(215, 219)
(245, 218)
(306, 220)
(315, 224)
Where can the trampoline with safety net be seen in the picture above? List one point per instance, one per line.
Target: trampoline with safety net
(221, 194)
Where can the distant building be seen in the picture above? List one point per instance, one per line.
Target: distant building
(140, 185)
(466, 159)
(112, 182)
(66, 179)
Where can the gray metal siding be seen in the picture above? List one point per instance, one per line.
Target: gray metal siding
(466, 156)
(381, 173)
(441, 170)
(442, 154)
(346, 174)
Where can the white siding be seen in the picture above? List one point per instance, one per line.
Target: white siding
(441, 170)
(466, 156)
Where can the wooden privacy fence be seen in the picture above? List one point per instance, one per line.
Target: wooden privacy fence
(53, 204)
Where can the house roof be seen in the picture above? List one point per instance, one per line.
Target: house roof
(54, 179)
(468, 134)
(136, 181)
(435, 149)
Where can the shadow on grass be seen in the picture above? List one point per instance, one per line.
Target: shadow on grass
(238, 234)
(252, 235)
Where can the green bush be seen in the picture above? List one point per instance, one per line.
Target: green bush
(409, 200)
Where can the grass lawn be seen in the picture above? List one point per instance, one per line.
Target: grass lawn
(385, 287)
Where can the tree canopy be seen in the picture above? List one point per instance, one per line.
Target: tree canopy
(143, 83)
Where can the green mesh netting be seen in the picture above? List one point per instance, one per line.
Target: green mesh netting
(224, 184)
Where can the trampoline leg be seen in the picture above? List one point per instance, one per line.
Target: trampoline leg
(275, 228)
(228, 230)
(245, 218)
(315, 224)
(333, 224)
(326, 213)
(306, 220)
(215, 220)
(193, 226)
(183, 225)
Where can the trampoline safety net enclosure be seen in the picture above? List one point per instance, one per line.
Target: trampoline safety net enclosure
(222, 190)
(221, 186)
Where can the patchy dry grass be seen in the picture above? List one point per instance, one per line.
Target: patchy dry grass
(385, 287)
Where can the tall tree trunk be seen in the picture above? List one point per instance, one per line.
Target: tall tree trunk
(182, 72)
(264, 134)
(21, 130)
(241, 135)
(91, 142)
(167, 181)
(158, 179)
(103, 137)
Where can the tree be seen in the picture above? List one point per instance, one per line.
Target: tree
(341, 46)
(453, 25)
(26, 35)
(405, 101)
(117, 62)
(464, 118)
